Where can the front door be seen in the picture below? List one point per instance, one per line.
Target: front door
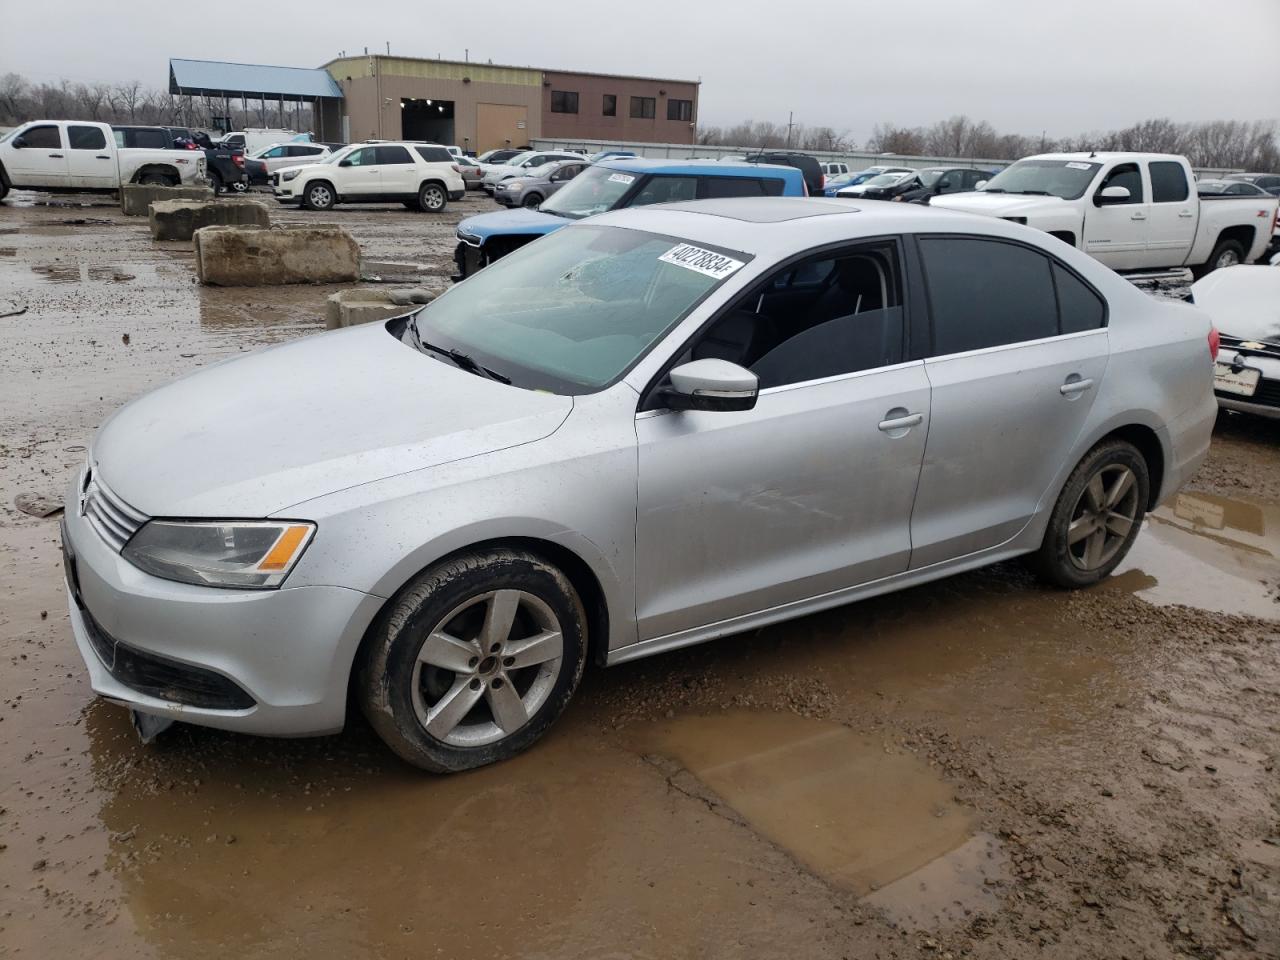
(1019, 352)
(90, 163)
(811, 491)
(362, 175)
(1116, 231)
(41, 161)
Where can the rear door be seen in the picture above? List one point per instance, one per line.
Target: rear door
(91, 163)
(1173, 214)
(41, 161)
(1116, 231)
(400, 175)
(1018, 348)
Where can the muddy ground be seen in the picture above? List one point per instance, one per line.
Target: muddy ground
(976, 768)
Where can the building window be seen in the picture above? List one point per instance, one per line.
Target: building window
(563, 101)
(679, 109)
(643, 108)
(610, 105)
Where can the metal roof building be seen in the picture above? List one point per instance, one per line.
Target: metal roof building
(245, 81)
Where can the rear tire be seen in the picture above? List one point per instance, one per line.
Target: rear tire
(319, 196)
(4, 188)
(215, 181)
(432, 198)
(156, 179)
(1227, 253)
(444, 706)
(1097, 517)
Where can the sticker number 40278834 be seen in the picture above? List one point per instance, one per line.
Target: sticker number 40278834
(703, 261)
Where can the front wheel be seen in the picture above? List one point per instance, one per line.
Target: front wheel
(156, 180)
(1096, 518)
(319, 196)
(532, 200)
(432, 198)
(474, 661)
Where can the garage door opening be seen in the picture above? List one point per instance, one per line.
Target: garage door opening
(427, 120)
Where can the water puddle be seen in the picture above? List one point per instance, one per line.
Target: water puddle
(947, 891)
(1210, 552)
(77, 272)
(856, 812)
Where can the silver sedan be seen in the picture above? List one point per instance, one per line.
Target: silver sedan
(650, 429)
(530, 191)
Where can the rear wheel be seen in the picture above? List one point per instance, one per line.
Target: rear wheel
(1227, 253)
(1096, 518)
(4, 188)
(432, 198)
(154, 178)
(215, 181)
(476, 659)
(318, 196)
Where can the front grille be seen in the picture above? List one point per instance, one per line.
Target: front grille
(1268, 393)
(275, 179)
(111, 518)
(161, 677)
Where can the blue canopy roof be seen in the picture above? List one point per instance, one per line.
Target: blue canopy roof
(215, 78)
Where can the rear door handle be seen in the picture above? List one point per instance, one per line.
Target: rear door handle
(1138, 216)
(901, 423)
(1186, 215)
(55, 156)
(1072, 387)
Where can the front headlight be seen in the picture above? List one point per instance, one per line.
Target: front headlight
(289, 175)
(252, 555)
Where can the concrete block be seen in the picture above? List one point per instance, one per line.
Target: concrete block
(348, 308)
(136, 198)
(250, 256)
(179, 219)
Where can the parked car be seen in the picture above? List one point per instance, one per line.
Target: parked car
(523, 164)
(1229, 188)
(260, 164)
(1244, 303)
(420, 176)
(1269, 182)
(610, 155)
(471, 170)
(1133, 211)
(498, 156)
(836, 184)
(814, 178)
(74, 156)
(612, 185)
(923, 185)
(255, 138)
(833, 168)
(225, 169)
(138, 137)
(532, 190)
(648, 430)
(878, 182)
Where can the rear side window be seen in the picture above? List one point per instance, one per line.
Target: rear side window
(434, 154)
(393, 155)
(1168, 182)
(150, 139)
(42, 138)
(1079, 307)
(666, 190)
(86, 138)
(985, 293)
(718, 188)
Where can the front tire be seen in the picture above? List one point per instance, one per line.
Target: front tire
(1097, 517)
(474, 661)
(157, 180)
(319, 196)
(532, 200)
(432, 198)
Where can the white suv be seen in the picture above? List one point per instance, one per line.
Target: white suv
(419, 175)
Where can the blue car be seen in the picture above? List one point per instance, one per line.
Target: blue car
(835, 184)
(610, 155)
(621, 182)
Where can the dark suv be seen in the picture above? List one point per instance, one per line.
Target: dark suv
(929, 182)
(814, 178)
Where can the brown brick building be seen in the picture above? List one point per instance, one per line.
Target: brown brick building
(481, 106)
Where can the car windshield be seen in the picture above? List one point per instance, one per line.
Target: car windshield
(930, 177)
(1067, 179)
(884, 179)
(839, 180)
(518, 159)
(572, 311)
(339, 154)
(593, 191)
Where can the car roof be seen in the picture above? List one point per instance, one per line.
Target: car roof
(1105, 155)
(782, 225)
(719, 168)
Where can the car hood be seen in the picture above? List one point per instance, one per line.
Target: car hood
(496, 171)
(998, 204)
(502, 222)
(251, 436)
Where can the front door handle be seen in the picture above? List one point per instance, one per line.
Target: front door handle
(900, 423)
(1073, 387)
(102, 156)
(1186, 215)
(1138, 216)
(55, 156)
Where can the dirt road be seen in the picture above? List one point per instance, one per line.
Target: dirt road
(977, 768)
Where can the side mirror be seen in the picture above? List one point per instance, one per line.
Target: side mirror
(19, 142)
(980, 184)
(943, 184)
(1112, 195)
(344, 163)
(711, 385)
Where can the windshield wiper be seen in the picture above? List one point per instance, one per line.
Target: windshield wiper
(1035, 193)
(460, 360)
(994, 190)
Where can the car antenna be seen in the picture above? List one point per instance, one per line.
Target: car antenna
(1093, 154)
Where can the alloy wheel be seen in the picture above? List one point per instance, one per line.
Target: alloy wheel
(433, 198)
(486, 668)
(320, 196)
(1228, 258)
(1103, 517)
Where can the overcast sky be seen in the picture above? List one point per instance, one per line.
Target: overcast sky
(1063, 66)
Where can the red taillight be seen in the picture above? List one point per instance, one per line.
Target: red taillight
(822, 181)
(238, 159)
(192, 146)
(1215, 341)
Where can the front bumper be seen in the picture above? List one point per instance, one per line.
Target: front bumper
(269, 662)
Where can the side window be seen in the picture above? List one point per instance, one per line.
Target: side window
(1079, 307)
(119, 135)
(974, 177)
(86, 138)
(985, 293)
(610, 105)
(567, 172)
(666, 190)
(773, 186)
(832, 315)
(274, 153)
(951, 181)
(1125, 175)
(364, 157)
(395, 154)
(434, 154)
(1168, 182)
(717, 188)
(642, 108)
(43, 138)
(151, 139)
(564, 101)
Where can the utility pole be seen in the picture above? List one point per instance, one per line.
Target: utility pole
(790, 118)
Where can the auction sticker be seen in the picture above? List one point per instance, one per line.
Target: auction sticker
(620, 178)
(703, 261)
(1076, 165)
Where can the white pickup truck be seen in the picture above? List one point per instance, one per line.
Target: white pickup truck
(1132, 211)
(70, 156)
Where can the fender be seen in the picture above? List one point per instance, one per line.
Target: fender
(4, 176)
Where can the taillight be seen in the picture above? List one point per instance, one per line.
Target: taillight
(238, 159)
(1215, 341)
(822, 181)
